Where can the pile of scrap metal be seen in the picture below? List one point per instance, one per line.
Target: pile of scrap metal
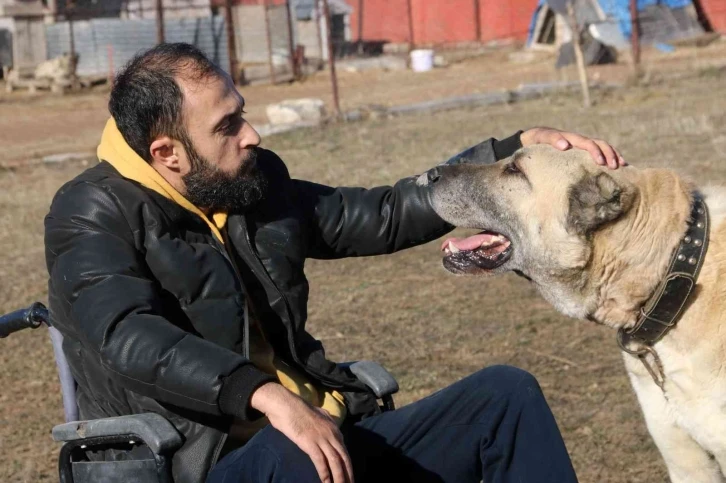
(605, 27)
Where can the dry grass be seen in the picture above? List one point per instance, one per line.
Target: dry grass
(403, 310)
(33, 126)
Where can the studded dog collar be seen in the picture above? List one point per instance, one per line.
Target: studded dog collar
(665, 306)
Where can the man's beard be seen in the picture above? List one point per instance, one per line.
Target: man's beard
(210, 188)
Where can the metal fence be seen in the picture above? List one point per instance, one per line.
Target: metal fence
(105, 44)
(105, 35)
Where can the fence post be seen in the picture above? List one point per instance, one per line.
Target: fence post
(231, 41)
(477, 20)
(159, 22)
(579, 57)
(70, 10)
(71, 36)
(360, 27)
(411, 42)
(331, 58)
(273, 77)
(635, 33)
(291, 43)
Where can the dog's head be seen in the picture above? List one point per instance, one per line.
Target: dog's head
(538, 212)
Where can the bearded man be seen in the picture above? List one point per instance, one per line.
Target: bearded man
(176, 278)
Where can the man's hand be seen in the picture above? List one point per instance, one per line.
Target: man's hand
(600, 150)
(310, 428)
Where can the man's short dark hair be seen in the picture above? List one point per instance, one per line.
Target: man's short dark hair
(146, 99)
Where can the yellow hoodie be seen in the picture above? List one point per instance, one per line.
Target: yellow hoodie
(118, 153)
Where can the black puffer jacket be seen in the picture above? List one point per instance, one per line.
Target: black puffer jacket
(151, 305)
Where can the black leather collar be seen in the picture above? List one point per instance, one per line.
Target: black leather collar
(665, 306)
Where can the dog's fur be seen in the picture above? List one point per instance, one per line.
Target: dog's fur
(596, 243)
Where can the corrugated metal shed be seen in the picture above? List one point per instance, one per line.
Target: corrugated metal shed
(101, 42)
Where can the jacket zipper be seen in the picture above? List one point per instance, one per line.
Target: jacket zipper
(290, 339)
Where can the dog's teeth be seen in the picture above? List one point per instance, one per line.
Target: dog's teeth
(493, 240)
(453, 248)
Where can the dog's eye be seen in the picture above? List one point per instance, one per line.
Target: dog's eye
(512, 168)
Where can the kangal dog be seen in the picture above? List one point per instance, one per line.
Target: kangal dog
(641, 251)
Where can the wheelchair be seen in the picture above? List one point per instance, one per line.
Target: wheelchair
(149, 432)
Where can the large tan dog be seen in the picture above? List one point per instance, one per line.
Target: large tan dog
(597, 244)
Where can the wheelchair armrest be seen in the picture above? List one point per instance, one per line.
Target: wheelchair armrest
(153, 429)
(373, 375)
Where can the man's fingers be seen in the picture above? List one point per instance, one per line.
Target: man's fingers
(335, 463)
(610, 154)
(320, 461)
(621, 161)
(553, 138)
(560, 142)
(588, 145)
(602, 152)
(339, 446)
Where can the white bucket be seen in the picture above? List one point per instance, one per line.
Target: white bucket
(422, 60)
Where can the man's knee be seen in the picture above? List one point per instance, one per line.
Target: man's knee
(508, 382)
(271, 456)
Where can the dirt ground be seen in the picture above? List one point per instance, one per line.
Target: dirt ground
(33, 126)
(403, 310)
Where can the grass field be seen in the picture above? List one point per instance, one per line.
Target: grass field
(404, 310)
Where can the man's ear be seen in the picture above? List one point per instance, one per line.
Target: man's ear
(163, 152)
(594, 200)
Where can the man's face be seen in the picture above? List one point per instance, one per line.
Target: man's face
(221, 149)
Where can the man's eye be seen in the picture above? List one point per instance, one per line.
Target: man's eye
(233, 125)
(512, 168)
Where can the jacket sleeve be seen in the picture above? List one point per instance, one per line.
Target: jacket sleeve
(348, 222)
(113, 306)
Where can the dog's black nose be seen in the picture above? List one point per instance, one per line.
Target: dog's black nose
(434, 175)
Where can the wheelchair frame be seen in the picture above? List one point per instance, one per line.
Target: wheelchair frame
(150, 432)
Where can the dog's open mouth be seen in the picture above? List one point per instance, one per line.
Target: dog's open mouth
(479, 253)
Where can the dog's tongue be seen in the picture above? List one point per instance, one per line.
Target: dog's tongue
(470, 243)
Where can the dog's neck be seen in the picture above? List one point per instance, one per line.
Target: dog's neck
(631, 256)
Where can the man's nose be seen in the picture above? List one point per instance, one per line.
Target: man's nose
(249, 137)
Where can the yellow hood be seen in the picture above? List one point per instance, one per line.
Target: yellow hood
(118, 153)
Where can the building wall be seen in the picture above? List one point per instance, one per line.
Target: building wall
(442, 21)
(505, 20)
(308, 35)
(29, 47)
(385, 20)
(715, 11)
(251, 34)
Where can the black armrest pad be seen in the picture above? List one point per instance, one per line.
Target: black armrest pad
(373, 375)
(154, 430)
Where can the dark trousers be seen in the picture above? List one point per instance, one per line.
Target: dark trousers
(494, 425)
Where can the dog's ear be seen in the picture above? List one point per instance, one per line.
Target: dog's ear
(594, 201)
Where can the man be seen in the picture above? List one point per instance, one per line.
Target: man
(176, 277)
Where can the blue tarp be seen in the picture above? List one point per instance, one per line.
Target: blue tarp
(617, 11)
